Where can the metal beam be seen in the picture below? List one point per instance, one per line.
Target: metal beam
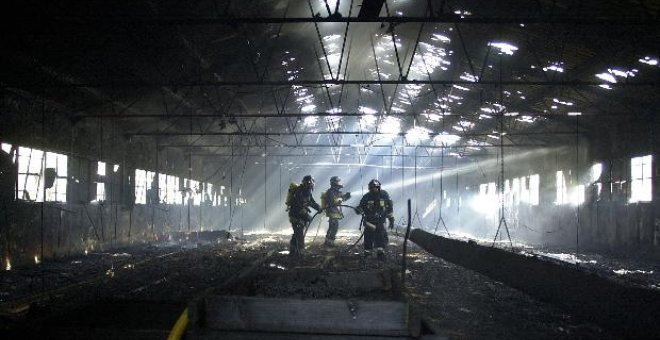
(357, 146)
(329, 133)
(330, 82)
(311, 155)
(340, 114)
(446, 18)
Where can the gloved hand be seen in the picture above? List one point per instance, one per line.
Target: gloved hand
(391, 221)
(346, 196)
(357, 211)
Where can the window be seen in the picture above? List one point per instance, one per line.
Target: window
(140, 186)
(562, 192)
(31, 175)
(172, 195)
(596, 182)
(596, 172)
(151, 188)
(162, 187)
(524, 190)
(100, 182)
(208, 194)
(508, 194)
(30, 185)
(534, 185)
(641, 187)
(57, 193)
(6, 147)
(195, 191)
(515, 190)
(192, 191)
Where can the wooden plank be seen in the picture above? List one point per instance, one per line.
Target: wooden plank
(387, 318)
(633, 312)
(242, 335)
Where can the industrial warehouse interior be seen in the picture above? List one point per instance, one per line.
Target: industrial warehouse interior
(328, 169)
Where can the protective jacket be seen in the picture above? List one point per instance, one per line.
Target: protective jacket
(376, 207)
(331, 200)
(301, 200)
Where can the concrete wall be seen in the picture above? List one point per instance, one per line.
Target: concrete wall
(608, 222)
(70, 229)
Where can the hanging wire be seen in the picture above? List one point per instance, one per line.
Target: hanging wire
(577, 175)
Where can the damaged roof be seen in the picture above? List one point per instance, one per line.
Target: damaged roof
(331, 78)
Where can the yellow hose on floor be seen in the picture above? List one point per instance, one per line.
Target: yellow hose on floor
(179, 327)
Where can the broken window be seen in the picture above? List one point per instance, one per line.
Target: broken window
(192, 192)
(596, 187)
(152, 188)
(57, 192)
(196, 191)
(30, 185)
(140, 186)
(172, 195)
(6, 147)
(208, 194)
(32, 164)
(641, 186)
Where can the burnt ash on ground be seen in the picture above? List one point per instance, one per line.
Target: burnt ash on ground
(139, 292)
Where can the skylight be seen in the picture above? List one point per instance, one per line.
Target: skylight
(367, 110)
(649, 61)
(310, 121)
(469, 77)
(441, 38)
(466, 124)
(562, 102)
(463, 13)
(612, 73)
(433, 117)
(308, 108)
(504, 47)
(606, 77)
(446, 139)
(390, 125)
(461, 88)
(555, 66)
(417, 134)
(526, 119)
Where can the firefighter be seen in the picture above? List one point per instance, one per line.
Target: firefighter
(376, 206)
(330, 200)
(299, 200)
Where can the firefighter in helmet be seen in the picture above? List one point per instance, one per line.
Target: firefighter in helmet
(299, 201)
(376, 206)
(330, 200)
